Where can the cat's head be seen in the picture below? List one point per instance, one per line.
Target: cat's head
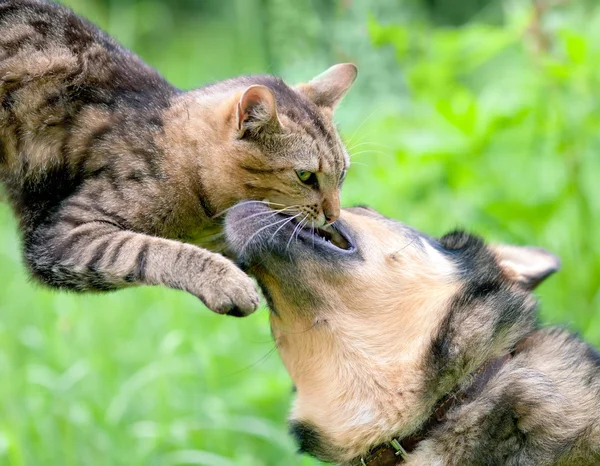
(279, 143)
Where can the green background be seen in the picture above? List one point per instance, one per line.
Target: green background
(482, 115)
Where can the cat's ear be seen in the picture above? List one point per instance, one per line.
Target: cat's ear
(327, 89)
(256, 112)
(527, 265)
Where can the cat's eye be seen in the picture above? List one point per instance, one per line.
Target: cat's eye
(309, 178)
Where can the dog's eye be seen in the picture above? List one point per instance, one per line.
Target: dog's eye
(309, 178)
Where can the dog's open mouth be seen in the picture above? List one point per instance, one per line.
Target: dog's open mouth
(253, 228)
(332, 236)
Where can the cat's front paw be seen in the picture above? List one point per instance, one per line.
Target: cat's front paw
(230, 291)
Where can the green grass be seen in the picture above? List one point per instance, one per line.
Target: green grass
(144, 376)
(462, 127)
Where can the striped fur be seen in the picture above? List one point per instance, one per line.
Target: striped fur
(118, 178)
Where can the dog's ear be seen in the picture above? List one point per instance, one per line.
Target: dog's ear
(527, 265)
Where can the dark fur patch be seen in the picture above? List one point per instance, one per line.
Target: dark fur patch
(309, 439)
(203, 200)
(8, 99)
(487, 296)
(41, 26)
(117, 250)
(98, 255)
(38, 199)
(593, 355)
(268, 297)
(140, 262)
(3, 155)
(302, 295)
(262, 171)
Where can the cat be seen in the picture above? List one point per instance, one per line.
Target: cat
(118, 178)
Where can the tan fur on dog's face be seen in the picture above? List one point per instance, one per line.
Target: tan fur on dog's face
(356, 327)
(347, 373)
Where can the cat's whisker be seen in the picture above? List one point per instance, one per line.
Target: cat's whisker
(283, 225)
(367, 151)
(272, 212)
(274, 203)
(297, 227)
(367, 143)
(374, 143)
(352, 151)
(361, 125)
(240, 204)
(262, 229)
(303, 223)
(291, 237)
(359, 140)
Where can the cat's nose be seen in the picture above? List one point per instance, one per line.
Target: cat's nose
(330, 217)
(331, 212)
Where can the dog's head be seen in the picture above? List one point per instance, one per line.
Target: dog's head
(375, 321)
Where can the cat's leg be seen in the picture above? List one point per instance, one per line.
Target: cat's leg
(86, 251)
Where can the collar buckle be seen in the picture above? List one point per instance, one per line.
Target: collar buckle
(400, 451)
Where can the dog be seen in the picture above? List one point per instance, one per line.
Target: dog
(405, 349)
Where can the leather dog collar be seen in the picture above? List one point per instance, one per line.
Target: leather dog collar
(395, 451)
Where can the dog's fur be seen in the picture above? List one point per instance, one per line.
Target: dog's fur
(375, 335)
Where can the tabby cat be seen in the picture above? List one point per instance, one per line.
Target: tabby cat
(118, 178)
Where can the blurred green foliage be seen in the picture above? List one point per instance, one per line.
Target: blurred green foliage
(492, 125)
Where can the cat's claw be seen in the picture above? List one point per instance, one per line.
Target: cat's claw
(233, 294)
